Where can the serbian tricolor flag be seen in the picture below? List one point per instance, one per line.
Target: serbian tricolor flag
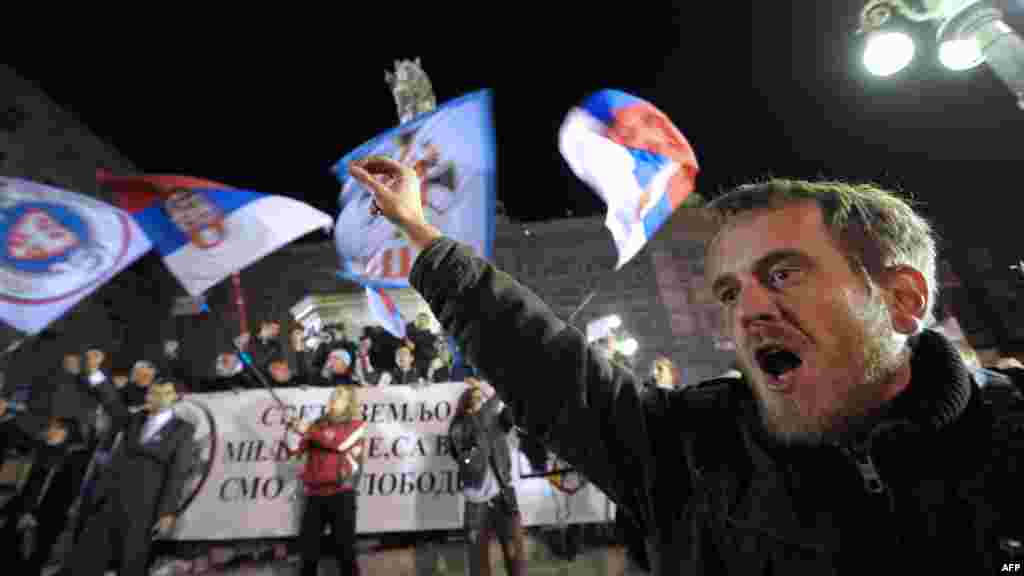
(385, 312)
(206, 231)
(634, 158)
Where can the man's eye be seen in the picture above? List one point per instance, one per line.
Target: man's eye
(728, 296)
(781, 276)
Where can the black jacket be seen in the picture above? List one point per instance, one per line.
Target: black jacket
(46, 459)
(476, 438)
(147, 478)
(712, 494)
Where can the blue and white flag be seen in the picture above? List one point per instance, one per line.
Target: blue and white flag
(59, 247)
(206, 231)
(385, 312)
(452, 150)
(634, 158)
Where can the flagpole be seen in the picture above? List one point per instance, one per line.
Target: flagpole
(243, 320)
(586, 300)
(247, 363)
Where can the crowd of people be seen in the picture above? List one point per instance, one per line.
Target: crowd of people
(99, 425)
(848, 431)
(854, 437)
(374, 358)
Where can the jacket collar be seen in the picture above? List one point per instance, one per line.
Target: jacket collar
(940, 383)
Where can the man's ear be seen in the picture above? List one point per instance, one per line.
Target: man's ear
(907, 296)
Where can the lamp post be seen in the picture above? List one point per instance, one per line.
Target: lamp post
(969, 33)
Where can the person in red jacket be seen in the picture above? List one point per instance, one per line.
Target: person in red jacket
(333, 445)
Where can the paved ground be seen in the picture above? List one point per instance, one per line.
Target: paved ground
(434, 559)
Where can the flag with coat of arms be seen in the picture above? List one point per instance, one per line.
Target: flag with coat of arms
(58, 247)
(206, 231)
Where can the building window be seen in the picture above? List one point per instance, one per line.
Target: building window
(12, 118)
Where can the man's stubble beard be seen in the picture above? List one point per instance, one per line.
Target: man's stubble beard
(872, 357)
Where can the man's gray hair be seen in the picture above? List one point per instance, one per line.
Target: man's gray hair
(873, 227)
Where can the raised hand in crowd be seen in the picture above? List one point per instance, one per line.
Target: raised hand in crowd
(296, 340)
(242, 340)
(73, 364)
(396, 192)
(171, 348)
(297, 424)
(93, 360)
(269, 330)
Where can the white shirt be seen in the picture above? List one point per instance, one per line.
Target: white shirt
(155, 423)
(96, 378)
(488, 490)
(101, 420)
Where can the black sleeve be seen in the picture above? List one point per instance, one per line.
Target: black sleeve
(303, 374)
(29, 426)
(1015, 375)
(456, 436)
(588, 411)
(177, 472)
(110, 398)
(505, 419)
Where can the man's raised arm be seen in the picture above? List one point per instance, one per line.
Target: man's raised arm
(587, 410)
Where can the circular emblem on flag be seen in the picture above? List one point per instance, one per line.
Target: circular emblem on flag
(55, 243)
(196, 217)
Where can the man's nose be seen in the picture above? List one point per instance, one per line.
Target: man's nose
(755, 303)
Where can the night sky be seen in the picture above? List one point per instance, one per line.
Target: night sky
(759, 88)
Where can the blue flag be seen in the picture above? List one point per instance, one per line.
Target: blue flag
(452, 150)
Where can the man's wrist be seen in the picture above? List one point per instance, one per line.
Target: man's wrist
(421, 234)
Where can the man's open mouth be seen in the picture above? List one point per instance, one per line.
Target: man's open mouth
(777, 361)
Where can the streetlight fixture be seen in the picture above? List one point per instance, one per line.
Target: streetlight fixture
(886, 53)
(969, 33)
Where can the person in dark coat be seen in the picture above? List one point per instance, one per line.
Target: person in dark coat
(478, 436)
(404, 373)
(267, 343)
(137, 494)
(855, 440)
(363, 370)
(142, 376)
(423, 342)
(336, 369)
(440, 367)
(57, 394)
(41, 507)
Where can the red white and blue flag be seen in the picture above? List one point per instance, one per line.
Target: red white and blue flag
(634, 158)
(206, 231)
(385, 312)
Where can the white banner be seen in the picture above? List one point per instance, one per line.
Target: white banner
(245, 486)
